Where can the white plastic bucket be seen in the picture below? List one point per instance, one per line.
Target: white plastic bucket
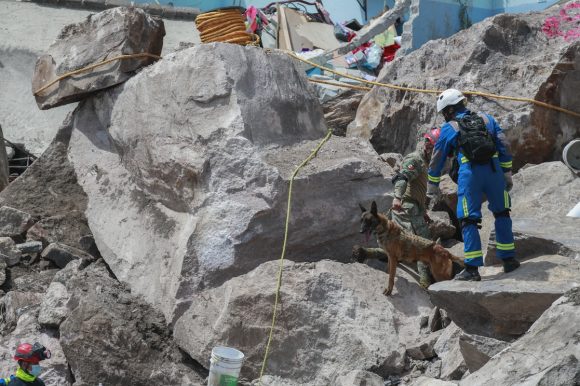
(225, 366)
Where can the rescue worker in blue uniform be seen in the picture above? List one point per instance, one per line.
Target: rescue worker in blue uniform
(492, 178)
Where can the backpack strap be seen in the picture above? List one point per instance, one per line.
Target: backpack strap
(484, 117)
(455, 125)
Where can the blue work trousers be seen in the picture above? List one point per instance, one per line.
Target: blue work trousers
(474, 181)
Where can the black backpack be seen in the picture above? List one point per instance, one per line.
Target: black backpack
(475, 141)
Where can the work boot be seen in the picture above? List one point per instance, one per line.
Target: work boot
(510, 264)
(470, 273)
(358, 254)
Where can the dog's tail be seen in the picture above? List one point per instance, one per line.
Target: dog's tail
(456, 259)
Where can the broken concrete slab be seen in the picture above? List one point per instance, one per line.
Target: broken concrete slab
(441, 226)
(426, 381)
(62, 254)
(14, 222)
(53, 310)
(546, 355)
(30, 247)
(16, 303)
(359, 378)
(435, 319)
(108, 34)
(447, 348)
(3, 266)
(424, 349)
(477, 350)
(504, 306)
(31, 281)
(8, 251)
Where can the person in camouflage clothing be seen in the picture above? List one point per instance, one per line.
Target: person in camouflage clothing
(409, 208)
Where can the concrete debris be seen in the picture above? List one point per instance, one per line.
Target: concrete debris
(359, 378)
(24, 280)
(435, 319)
(477, 350)
(138, 349)
(424, 349)
(447, 349)
(16, 303)
(108, 34)
(341, 110)
(62, 254)
(504, 306)
(14, 222)
(30, 247)
(8, 251)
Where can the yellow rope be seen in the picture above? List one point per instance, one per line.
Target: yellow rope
(431, 91)
(279, 282)
(92, 66)
(338, 84)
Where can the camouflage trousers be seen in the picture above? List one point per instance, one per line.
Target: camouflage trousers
(412, 217)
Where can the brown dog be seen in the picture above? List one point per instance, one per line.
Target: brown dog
(402, 245)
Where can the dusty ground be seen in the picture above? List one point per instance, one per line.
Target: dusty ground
(26, 30)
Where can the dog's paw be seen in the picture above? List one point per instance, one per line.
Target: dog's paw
(387, 292)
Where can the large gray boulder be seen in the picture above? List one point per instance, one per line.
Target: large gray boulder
(114, 338)
(548, 354)
(333, 318)
(499, 55)
(187, 167)
(504, 306)
(542, 196)
(105, 35)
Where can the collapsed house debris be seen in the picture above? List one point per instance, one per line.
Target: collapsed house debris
(156, 213)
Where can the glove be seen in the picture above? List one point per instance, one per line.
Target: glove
(397, 205)
(433, 194)
(509, 183)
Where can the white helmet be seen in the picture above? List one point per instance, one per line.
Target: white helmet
(449, 97)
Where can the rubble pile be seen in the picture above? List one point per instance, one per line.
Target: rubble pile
(149, 231)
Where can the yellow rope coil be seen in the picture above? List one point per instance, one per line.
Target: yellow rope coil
(281, 266)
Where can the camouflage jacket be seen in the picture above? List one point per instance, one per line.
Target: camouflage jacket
(413, 184)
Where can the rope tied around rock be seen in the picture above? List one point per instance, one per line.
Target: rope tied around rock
(312, 155)
(93, 66)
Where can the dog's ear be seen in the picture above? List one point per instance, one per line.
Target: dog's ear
(374, 210)
(361, 207)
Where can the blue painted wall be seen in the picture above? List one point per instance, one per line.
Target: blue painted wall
(443, 18)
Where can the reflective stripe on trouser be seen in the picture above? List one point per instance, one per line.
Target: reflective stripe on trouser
(475, 181)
